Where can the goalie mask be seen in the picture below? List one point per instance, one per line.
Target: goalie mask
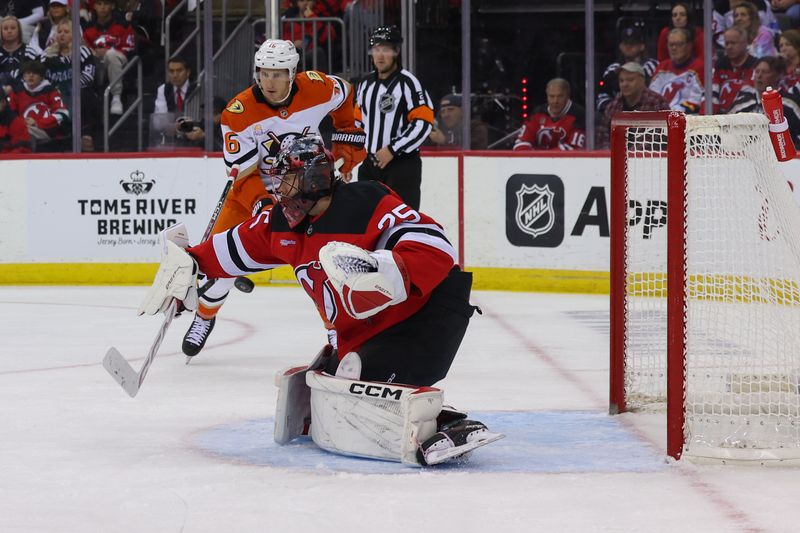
(302, 174)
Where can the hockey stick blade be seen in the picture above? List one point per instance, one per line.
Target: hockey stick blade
(121, 371)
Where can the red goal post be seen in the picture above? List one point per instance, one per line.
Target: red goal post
(719, 350)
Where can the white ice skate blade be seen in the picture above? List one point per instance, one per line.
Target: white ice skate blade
(440, 456)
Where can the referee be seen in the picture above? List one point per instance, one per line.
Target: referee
(397, 116)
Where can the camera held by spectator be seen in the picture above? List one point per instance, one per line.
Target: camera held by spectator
(186, 124)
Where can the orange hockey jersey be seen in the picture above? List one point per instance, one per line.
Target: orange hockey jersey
(254, 130)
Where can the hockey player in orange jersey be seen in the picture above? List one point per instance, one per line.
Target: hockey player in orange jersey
(281, 106)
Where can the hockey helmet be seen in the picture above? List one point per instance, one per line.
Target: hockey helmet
(307, 167)
(277, 54)
(386, 34)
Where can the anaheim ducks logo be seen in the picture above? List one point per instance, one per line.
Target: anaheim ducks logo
(236, 107)
(275, 143)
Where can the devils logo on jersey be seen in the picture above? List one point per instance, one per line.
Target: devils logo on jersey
(550, 136)
(672, 89)
(37, 111)
(315, 282)
(106, 41)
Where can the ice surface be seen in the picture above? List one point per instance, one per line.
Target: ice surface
(193, 451)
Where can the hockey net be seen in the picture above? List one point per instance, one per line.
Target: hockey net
(720, 351)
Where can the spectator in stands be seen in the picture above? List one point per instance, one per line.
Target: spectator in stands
(112, 41)
(332, 8)
(631, 48)
(57, 59)
(14, 136)
(767, 73)
(12, 53)
(191, 132)
(41, 106)
(723, 21)
(557, 125)
(171, 96)
(145, 18)
(790, 52)
(45, 33)
(733, 70)
(28, 12)
(762, 40)
(313, 56)
(447, 132)
(633, 96)
(679, 79)
(682, 17)
(788, 8)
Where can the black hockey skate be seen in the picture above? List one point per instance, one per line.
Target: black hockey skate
(196, 336)
(454, 440)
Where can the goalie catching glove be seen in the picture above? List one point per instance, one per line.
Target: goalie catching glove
(176, 276)
(367, 282)
(348, 145)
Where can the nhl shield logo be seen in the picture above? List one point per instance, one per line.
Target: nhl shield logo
(534, 213)
(386, 103)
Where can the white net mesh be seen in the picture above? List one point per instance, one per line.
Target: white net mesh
(742, 288)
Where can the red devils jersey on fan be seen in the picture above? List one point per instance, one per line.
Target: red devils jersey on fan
(544, 132)
(113, 34)
(365, 214)
(728, 81)
(14, 137)
(681, 86)
(43, 104)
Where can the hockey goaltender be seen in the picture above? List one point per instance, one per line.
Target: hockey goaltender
(384, 275)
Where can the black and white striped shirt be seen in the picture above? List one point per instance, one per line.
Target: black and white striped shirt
(396, 112)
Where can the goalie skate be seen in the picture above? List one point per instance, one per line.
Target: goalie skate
(455, 440)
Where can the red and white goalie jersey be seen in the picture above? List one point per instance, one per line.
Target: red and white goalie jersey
(366, 214)
(681, 86)
(254, 130)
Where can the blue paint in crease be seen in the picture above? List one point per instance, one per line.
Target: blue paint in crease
(536, 442)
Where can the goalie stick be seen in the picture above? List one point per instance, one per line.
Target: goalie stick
(114, 363)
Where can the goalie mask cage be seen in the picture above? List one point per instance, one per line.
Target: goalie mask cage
(705, 302)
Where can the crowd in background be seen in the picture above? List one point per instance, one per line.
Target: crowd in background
(755, 45)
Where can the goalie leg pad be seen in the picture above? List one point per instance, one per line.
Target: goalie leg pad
(293, 409)
(371, 419)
